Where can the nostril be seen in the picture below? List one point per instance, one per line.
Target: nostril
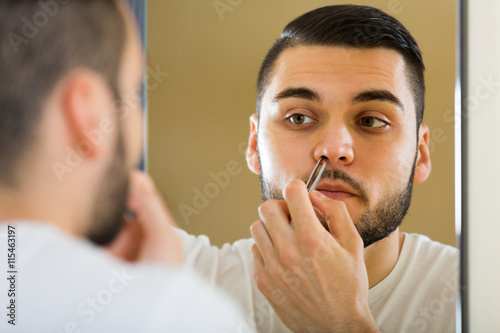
(342, 158)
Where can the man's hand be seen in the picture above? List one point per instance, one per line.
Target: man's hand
(314, 280)
(150, 235)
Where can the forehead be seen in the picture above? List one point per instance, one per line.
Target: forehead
(338, 73)
(131, 67)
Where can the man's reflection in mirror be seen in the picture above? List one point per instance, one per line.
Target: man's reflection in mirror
(345, 82)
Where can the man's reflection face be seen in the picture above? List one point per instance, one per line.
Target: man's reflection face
(355, 107)
(110, 199)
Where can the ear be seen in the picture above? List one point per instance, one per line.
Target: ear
(423, 167)
(252, 154)
(83, 101)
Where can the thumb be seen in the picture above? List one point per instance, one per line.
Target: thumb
(126, 244)
(156, 222)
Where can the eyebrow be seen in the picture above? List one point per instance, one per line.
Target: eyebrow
(378, 95)
(365, 96)
(302, 92)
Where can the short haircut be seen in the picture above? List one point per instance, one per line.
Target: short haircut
(41, 42)
(349, 26)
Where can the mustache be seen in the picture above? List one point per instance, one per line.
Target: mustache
(337, 174)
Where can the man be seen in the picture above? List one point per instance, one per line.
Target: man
(346, 83)
(70, 133)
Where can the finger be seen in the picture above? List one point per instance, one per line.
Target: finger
(259, 271)
(160, 241)
(263, 242)
(275, 216)
(126, 244)
(147, 204)
(258, 260)
(337, 216)
(300, 207)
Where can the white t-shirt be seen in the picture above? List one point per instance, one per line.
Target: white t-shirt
(65, 284)
(417, 296)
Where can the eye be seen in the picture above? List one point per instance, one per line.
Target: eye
(372, 122)
(299, 119)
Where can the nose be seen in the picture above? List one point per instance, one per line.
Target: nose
(336, 143)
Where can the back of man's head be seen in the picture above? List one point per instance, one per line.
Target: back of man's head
(349, 26)
(41, 42)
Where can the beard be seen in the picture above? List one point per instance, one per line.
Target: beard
(110, 199)
(375, 223)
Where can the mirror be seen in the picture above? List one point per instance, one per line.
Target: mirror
(202, 62)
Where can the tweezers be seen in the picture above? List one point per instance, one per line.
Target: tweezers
(313, 180)
(315, 176)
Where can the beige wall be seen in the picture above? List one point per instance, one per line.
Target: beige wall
(198, 114)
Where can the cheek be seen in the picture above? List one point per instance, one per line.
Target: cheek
(387, 168)
(132, 136)
(269, 157)
(281, 157)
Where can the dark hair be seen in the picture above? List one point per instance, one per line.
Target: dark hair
(41, 42)
(349, 26)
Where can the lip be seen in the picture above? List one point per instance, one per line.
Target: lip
(337, 195)
(336, 191)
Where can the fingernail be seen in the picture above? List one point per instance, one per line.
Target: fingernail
(131, 200)
(318, 194)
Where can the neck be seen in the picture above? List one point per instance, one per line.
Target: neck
(382, 256)
(39, 203)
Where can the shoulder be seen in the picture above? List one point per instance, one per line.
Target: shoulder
(428, 264)
(200, 246)
(229, 266)
(420, 250)
(91, 290)
(419, 294)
